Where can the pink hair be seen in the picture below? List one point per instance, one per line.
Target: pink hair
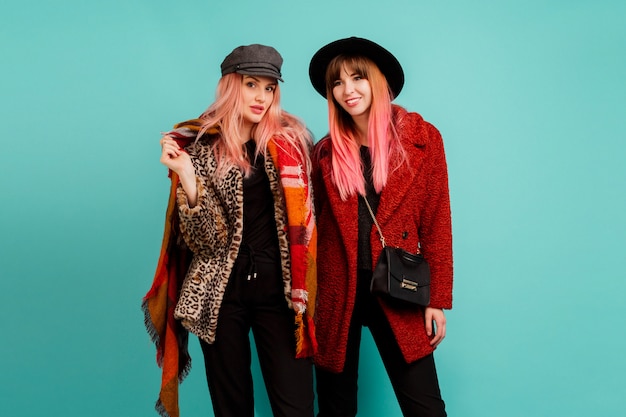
(347, 170)
(225, 113)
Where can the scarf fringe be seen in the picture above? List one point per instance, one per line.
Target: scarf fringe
(160, 408)
(151, 330)
(154, 337)
(305, 346)
(299, 333)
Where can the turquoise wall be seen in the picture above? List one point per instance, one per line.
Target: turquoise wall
(529, 96)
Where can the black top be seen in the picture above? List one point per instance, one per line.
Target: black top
(259, 223)
(364, 255)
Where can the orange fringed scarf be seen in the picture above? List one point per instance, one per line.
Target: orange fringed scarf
(159, 303)
(302, 242)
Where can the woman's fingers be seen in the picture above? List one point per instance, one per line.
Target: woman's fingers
(435, 325)
(169, 147)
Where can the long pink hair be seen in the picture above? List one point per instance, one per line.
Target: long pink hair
(347, 168)
(225, 114)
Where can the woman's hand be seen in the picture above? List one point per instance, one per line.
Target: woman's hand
(176, 159)
(173, 157)
(436, 332)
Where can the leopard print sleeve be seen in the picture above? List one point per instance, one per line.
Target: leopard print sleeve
(204, 227)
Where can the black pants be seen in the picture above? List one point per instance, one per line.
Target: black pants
(415, 384)
(257, 304)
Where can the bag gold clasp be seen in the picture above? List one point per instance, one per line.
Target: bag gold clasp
(408, 285)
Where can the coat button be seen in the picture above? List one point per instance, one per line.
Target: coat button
(405, 234)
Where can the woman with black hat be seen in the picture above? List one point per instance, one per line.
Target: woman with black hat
(241, 202)
(381, 157)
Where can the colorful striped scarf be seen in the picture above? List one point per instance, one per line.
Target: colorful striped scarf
(158, 304)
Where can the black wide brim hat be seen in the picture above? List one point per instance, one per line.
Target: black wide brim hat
(386, 62)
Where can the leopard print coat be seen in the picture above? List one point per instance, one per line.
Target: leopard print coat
(213, 230)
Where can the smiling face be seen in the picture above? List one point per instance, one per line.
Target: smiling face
(257, 93)
(353, 92)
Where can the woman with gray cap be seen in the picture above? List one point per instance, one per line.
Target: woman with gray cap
(241, 203)
(380, 162)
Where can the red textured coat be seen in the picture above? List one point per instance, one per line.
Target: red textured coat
(414, 208)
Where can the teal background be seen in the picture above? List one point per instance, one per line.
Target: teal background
(530, 97)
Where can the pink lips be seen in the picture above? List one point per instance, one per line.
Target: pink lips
(352, 102)
(257, 109)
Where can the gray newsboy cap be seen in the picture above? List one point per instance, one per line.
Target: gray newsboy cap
(254, 59)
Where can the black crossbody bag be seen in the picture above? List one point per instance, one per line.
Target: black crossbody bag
(400, 275)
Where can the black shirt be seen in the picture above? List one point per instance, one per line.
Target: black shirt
(364, 255)
(259, 223)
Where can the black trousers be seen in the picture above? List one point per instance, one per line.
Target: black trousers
(415, 384)
(257, 304)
